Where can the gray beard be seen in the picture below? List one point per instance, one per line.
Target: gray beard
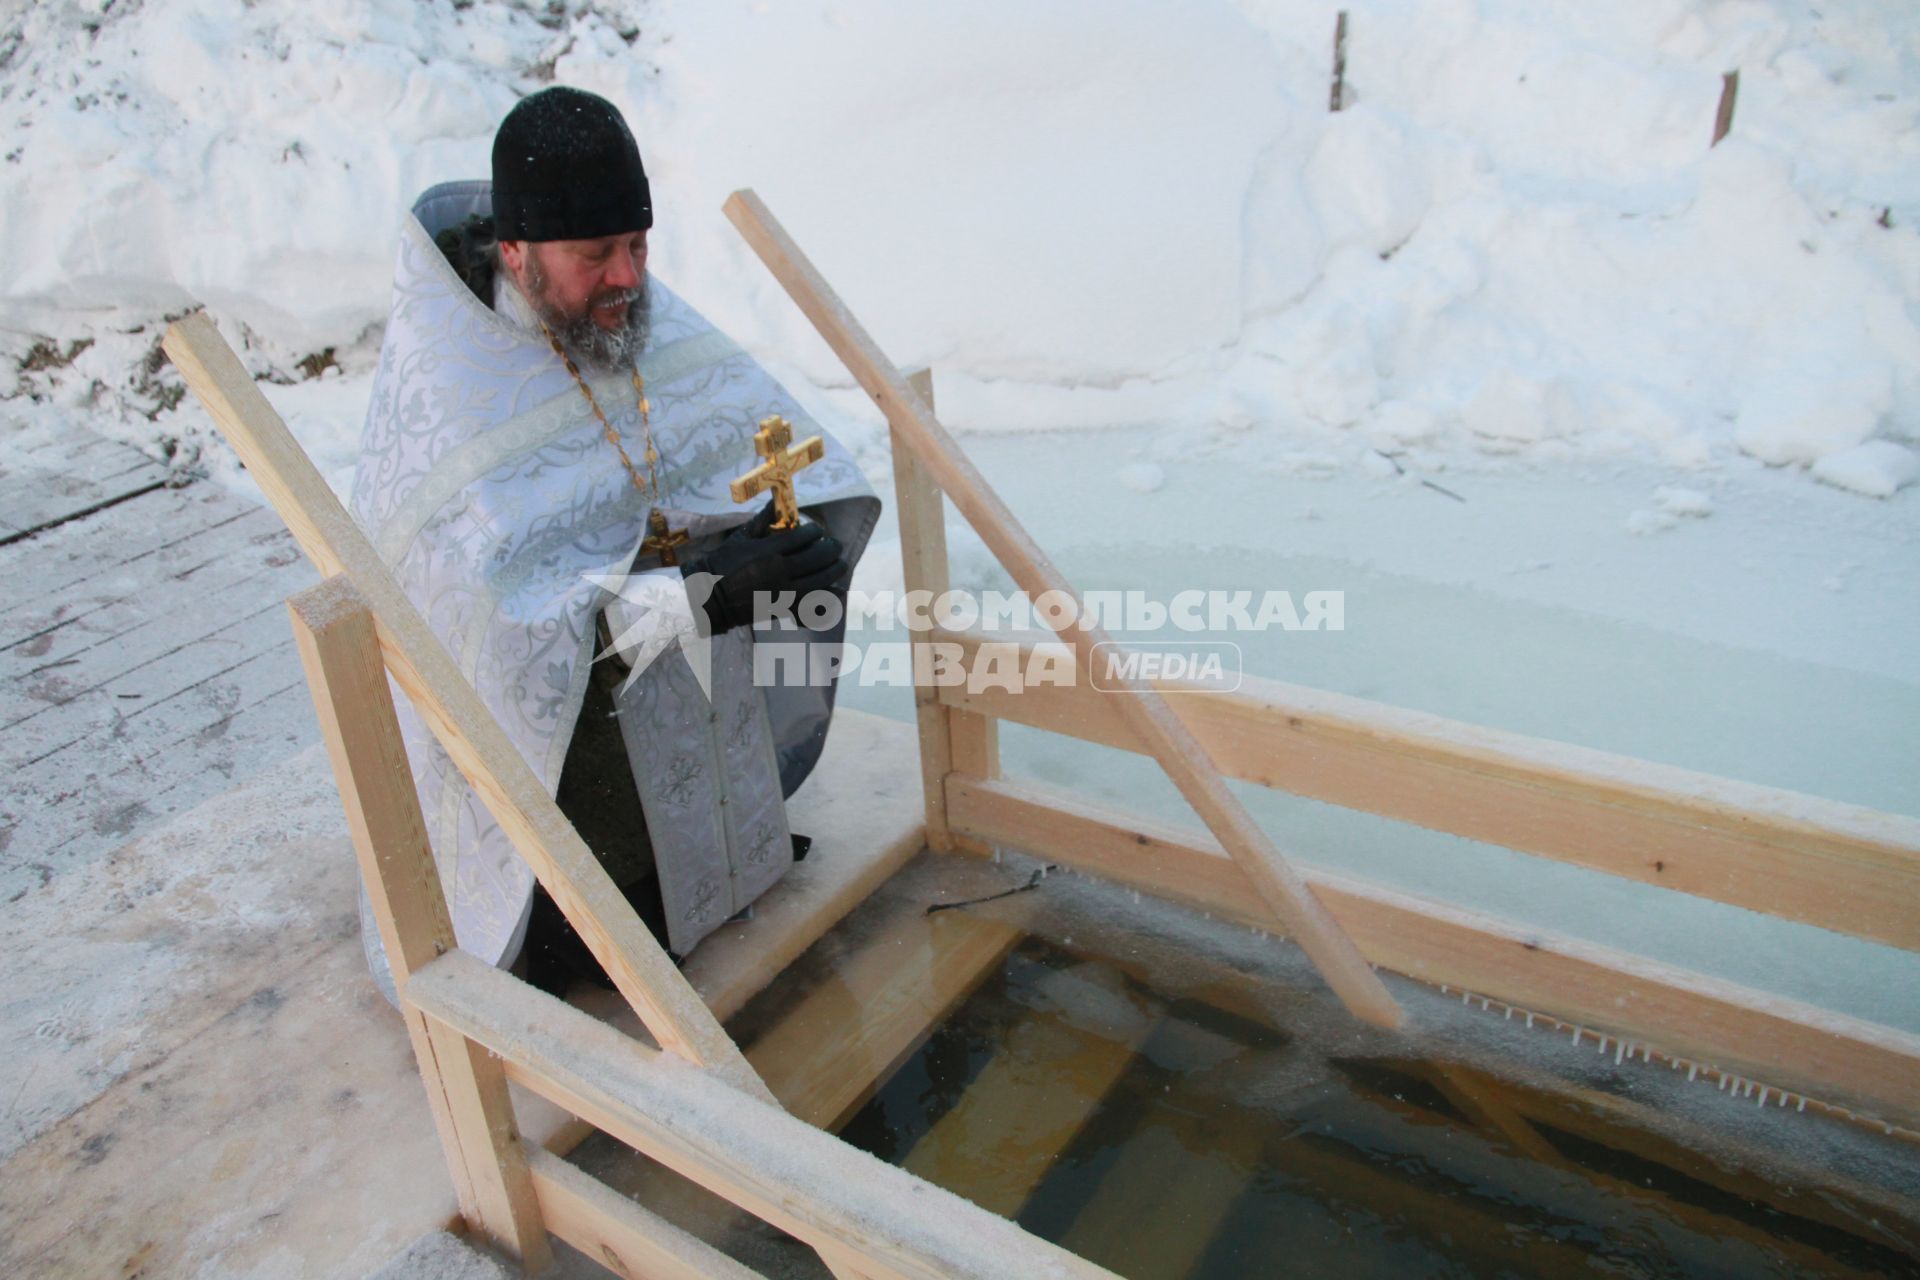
(601, 350)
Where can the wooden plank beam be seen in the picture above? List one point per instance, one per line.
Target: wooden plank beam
(81, 558)
(923, 567)
(1716, 1157)
(1841, 867)
(241, 566)
(857, 849)
(950, 738)
(805, 1182)
(1479, 1232)
(1143, 709)
(1042, 1085)
(466, 1089)
(422, 667)
(844, 1037)
(621, 1235)
(1160, 1203)
(1484, 1103)
(1785, 1042)
(826, 1055)
(80, 475)
(975, 743)
(1709, 1230)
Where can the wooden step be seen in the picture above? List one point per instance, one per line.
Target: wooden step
(840, 1042)
(851, 1031)
(1161, 1204)
(1008, 1129)
(847, 1035)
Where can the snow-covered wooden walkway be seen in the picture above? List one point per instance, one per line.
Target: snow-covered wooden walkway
(198, 1070)
(145, 659)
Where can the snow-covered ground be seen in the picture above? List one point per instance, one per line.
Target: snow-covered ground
(1197, 325)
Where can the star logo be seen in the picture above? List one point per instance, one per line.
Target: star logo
(652, 611)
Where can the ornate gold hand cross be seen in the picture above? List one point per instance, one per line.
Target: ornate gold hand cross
(776, 473)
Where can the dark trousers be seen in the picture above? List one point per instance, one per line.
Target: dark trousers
(598, 796)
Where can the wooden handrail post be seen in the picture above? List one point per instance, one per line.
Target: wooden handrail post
(1172, 744)
(951, 740)
(669, 1008)
(466, 1087)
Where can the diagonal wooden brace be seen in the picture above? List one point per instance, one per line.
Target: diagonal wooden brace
(670, 1009)
(1142, 708)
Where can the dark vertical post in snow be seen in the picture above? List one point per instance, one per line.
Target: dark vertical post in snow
(1339, 90)
(1723, 118)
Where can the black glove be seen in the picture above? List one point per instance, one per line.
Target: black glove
(757, 558)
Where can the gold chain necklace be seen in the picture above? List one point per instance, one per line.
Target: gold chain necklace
(651, 486)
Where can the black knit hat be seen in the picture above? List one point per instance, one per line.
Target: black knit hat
(565, 168)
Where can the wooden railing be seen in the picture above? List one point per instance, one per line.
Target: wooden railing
(1843, 868)
(926, 458)
(1852, 870)
(696, 1105)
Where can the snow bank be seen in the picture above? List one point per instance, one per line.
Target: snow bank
(1515, 240)
(1878, 468)
(251, 157)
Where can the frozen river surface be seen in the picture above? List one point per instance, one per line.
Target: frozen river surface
(1741, 622)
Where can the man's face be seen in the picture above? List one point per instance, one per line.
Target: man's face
(592, 294)
(571, 281)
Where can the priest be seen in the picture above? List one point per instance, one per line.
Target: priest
(549, 428)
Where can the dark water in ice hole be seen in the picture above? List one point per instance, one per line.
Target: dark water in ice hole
(1150, 1137)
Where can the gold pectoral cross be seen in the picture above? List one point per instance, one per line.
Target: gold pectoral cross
(663, 541)
(776, 473)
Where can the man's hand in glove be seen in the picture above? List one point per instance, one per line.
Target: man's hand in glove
(757, 558)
